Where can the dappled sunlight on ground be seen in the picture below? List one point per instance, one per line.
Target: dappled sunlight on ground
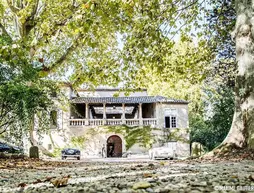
(125, 175)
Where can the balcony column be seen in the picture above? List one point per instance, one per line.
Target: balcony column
(104, 114)
(140, 114)
(87, 114)
(123, 114)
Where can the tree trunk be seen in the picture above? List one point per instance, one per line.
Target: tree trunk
(241, 133)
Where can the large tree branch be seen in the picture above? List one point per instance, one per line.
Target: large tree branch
(3, 131)
(56, 25)
(3, 115)
(4, 31)
(6, 115)
(34, 9)
(55, 28)
(7, 123)
(25, 26)
(67, 53)
(12, 7)
(30, 23)
(3, 107)
(189, 5)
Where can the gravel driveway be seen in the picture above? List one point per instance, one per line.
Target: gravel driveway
(132, 175)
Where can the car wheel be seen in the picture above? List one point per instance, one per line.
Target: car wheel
(78, 158)
(64, 157)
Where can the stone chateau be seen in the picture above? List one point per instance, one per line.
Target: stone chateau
(83, 122)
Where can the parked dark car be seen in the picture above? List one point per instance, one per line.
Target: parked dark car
(70, 152)
(6, 148)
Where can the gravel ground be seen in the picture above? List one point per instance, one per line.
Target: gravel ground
(131, 176)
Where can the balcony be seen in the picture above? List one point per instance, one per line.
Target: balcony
(112, 122)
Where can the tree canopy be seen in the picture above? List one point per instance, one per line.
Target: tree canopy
(89, 41)
(95, 41)
(110, 42)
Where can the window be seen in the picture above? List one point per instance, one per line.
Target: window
(167, 122)
(173, 122)
(170, 122)
(170, 117)
(53, 118)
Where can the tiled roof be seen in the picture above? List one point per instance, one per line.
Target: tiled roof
(130, 100)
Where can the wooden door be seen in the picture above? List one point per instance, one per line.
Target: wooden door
(114, 146)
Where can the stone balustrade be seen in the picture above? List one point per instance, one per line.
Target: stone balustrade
(112, 122)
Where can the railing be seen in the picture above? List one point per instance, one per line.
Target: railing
(95, 122)
(147, 122)
(77, 122)
(132, 122)
(114, 122)
(100, 122)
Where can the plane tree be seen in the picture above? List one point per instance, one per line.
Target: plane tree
(241, 133)
(100, 42)
(21, 96)
(85, 41)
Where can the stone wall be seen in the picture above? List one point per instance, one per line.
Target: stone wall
(93, 142)
(182, 114)
(181, 133)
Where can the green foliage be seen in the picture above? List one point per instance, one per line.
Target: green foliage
(211, 107)
(135, 135)
(221, 17)
(57, 152)
(79, 141)
(20, 101)
(211, 130)
(53, 117)
(178, 134)
(184, 75)
(22, 96)
(101, 43)
(200, 130)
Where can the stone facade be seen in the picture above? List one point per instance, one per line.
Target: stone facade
(89, 133)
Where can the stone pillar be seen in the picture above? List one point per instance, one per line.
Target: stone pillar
(87, 114)
(123, 115)
(104, 113)
(155, 113)
(140, 114)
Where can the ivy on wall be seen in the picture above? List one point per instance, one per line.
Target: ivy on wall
(136, 134)
(143, 136)
(177, 134)
(132, 135)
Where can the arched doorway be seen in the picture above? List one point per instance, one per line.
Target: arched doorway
(114, 146)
